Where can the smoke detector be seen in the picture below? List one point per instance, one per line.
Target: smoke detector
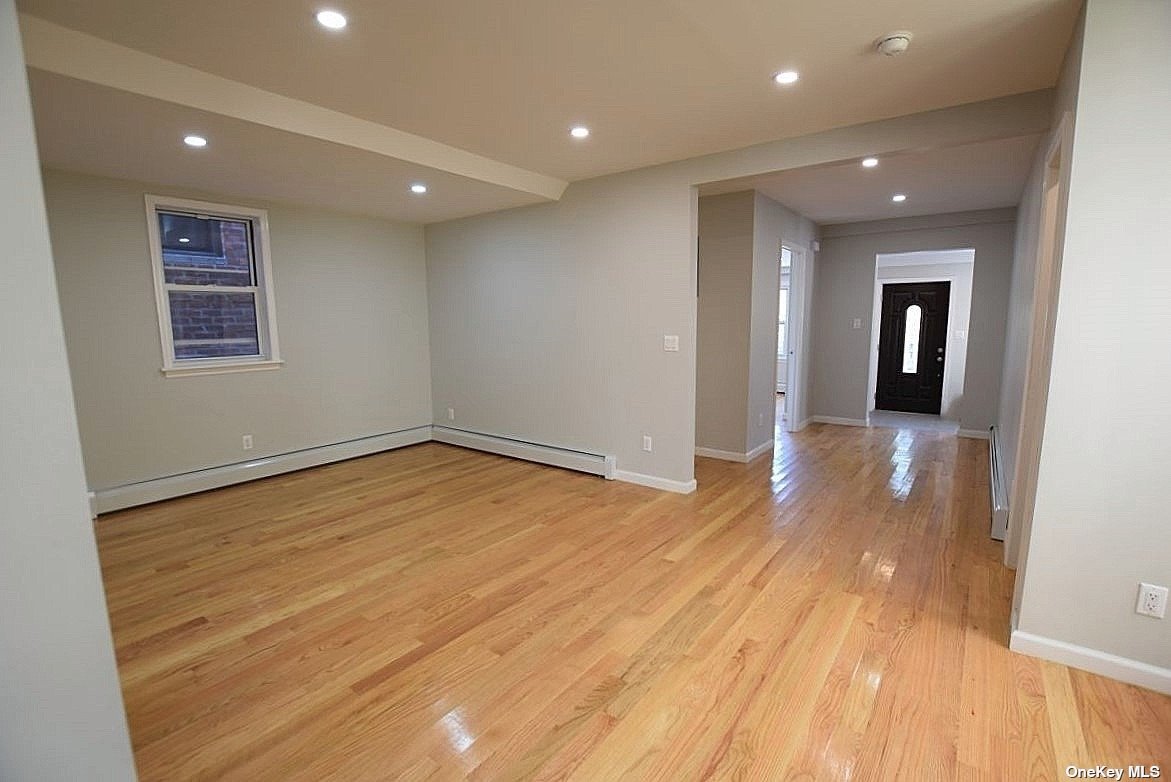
(893, 44)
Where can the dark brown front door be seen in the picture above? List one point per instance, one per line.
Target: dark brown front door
(912, 345)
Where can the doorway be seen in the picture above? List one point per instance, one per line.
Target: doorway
(794, 304)
(911, 347)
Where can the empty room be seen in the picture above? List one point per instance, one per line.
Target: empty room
(526, 389)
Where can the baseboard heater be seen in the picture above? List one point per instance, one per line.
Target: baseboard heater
(997, 487)
(581, 461)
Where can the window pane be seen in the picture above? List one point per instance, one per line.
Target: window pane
(783, 308)
(206, 251)
(786, 257)
(212, 324)
(911, 340)
(782, 349)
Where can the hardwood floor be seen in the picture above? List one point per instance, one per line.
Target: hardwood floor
(433, 613)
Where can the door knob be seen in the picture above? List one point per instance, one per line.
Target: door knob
(939, 358)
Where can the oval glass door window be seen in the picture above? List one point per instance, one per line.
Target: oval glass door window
(914, 320)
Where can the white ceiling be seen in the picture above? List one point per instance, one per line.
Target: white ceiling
(98, 130)
(986, 175)
(656, 80)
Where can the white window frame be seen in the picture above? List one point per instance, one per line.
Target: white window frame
(269, 357)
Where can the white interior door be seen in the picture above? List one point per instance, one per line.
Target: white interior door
(796, 327)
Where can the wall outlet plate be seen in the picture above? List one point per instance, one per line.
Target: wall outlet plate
(1152, 600)
(647, 443)
(246, 442)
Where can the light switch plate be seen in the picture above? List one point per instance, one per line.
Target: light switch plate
(671, 343)
(857, 324)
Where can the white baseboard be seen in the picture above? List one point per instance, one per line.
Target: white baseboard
(716, 453)
(761, 449)
(833, 419)
(119, 497)
(595, 464)
(974, 434)
(803, 424)
(1103, 663)
(733, 456)
(655, 482)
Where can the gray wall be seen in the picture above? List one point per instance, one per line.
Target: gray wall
(351, 309)
(547, 321)
(740, 235)
(726, 284)
(1100, 519)
(773, 225)
(61, 712)
(1024, 270)
(844, 291)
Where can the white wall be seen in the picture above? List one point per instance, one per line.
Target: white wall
(547, 321)
(351, 309)
(845, 291)
(1100, 519)
(61, 712)
(929, 266)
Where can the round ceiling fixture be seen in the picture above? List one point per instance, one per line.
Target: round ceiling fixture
(898, 198)
(195, 141)
(786, 77)
(418, 188)
(894, 44)
(869, 162)
(331, 19)
(580, 131)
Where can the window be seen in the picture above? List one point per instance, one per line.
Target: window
(782, 316)
(914, 319)
(213, 287)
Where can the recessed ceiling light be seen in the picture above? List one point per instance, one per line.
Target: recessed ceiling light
(331, 19)
(870, 162)
(898, 198)
(786, 77)
(195, 141)
(183, 240)
(580, 131)
(418, 188)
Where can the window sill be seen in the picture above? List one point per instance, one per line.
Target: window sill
(221, 368)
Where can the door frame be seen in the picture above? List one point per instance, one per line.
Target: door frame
(1038, 360)
(797, 332)
(876, 328)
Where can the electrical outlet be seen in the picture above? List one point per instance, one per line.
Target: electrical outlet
(671, 343)
(647, 443)
(451, 414)
(1152, 600)
(246, 441)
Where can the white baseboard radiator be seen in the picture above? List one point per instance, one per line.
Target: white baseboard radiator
(580, 461)
(997, 487)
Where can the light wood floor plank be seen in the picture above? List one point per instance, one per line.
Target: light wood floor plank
(837, 612)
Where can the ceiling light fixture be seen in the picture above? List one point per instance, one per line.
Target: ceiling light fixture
(183, 240)
(580, 131)
(195, 141)
(331, 19)
(786, 77)
(898, 198)
(418, 188)
(870, 162)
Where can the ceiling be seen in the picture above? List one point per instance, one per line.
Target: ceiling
(656, 80)
(986, 175)
(98, 130)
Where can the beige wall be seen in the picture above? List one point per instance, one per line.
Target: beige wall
(1100, 519)
(351, 313)
(61, 712)
(844, 291)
